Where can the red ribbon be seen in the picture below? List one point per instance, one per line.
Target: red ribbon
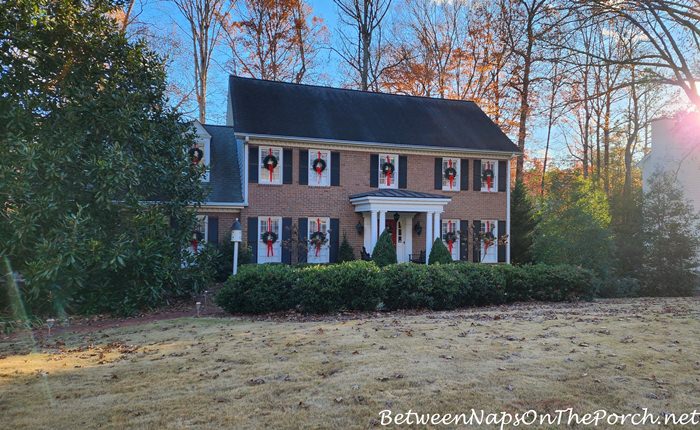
(318, 242)
(489, 179)
(270, 167)
(270, 251)
(449, 242)
(452, 177)
(318, 168)
(388, 174)
(194, 245)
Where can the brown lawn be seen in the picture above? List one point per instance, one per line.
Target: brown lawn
(336, 372)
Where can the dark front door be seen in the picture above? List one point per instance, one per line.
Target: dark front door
(391, 226)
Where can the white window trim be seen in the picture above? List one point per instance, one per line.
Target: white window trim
(324, 254)
(494, 188)
(264, 173)
(276, 247)
(493, 249)
(394, 176)
(457, 165)
(326, 175)
(443, 231)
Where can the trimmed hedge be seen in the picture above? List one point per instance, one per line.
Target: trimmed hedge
(361, 285)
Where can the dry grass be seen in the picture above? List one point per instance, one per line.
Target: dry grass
(238, 373)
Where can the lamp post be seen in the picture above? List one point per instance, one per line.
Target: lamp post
(236, 234)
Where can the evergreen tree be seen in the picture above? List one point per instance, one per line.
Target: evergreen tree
(87, 138)
(345, 252)
(671, 240)
(439, 254)
(384, 252)
(522, 225)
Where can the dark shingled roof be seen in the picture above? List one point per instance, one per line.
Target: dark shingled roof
(224, 175)
(399, 193)
(284, 109)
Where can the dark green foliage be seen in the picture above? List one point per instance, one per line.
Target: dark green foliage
(522, 225)
(384, 251)
(360, 285)
(619, 287)
(345, 252)
(671, 240)
(626, 224)
(574, 226)
(258, 289)
(87, 137)
(351, 285)
(224, 261)
(439, 254)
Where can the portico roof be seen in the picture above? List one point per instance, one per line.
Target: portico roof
(398, 200)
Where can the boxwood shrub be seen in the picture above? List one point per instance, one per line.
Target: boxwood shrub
(361, 285)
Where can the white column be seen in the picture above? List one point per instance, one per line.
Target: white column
(367, 232)
(382, 221)
(437, 228)
(372, 231)
(428, 234)
(507, 211)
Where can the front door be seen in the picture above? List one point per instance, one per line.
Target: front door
(400, 237)
(391, 226)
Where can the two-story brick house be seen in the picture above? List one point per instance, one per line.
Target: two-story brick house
(302, 166)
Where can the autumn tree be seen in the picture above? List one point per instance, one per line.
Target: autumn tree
(274, 39)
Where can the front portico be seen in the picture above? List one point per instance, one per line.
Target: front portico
(395, 209)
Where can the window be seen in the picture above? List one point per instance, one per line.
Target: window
(450, 236)
(489, 244)
(319, 172)
(199, 156)
(200, 234)
(271, 228)
(388, 171)
(453, 165)
(318, 249)
(270, 165)
(489, 176)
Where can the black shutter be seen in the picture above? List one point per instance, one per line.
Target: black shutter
(302, 245)
(253, 238)
(476, 229)
(287, 155)
(476, 186)
(213, 230)
(403, 171)
(286, 236)
(464, 179)
(253, 167)
(438, 173)
(464, 240)
(334, 240)
(303, 167)
(501, 247)
(502, 166)
(374, 170)
(335, 169)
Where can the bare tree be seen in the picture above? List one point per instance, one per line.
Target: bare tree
(204, 30)
(361, 40)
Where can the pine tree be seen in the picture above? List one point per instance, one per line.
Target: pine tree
(345, 252)
(671, 240)
(384, 251)
(522, 224)
(439, 254)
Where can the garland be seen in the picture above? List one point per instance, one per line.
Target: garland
(450, 173)
(388, 170)
(196, 154)
(487, 176)
(270, 163)
(319, 165)
(269, 237)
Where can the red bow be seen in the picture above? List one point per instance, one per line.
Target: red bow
(270, 167)
(388, 174)
(451, 178)
(449, 229)
(318, 242)
(318, 168)
(270, 250)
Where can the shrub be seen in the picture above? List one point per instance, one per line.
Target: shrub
(345, 252)
(439, 253)
(482, 284)
(384, 252)
(406, 286)
(347, 286)
(224, 262)
(548, 283)
(619, 287)
(258, 289)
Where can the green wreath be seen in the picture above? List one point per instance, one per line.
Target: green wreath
(450, 171)
(268, 236)
(318, 238)
(451, 236)
(319, 165)
(269, 160)
(388, 168)
(488, 174)
(196, 155)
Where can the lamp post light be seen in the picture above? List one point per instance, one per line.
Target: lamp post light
(49, 323)
(236, 235)
(198, 305)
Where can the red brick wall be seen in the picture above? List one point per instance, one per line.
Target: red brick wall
(294, 200)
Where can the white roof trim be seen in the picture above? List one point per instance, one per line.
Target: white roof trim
(399, 204)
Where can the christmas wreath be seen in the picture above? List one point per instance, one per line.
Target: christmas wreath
(487, 177)
(450, 238)
(269, 237)
(488, 239)
(450, 174)
(319, 165)
(388, 169)
(196, 155)
(318, 239)
(270, 163)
